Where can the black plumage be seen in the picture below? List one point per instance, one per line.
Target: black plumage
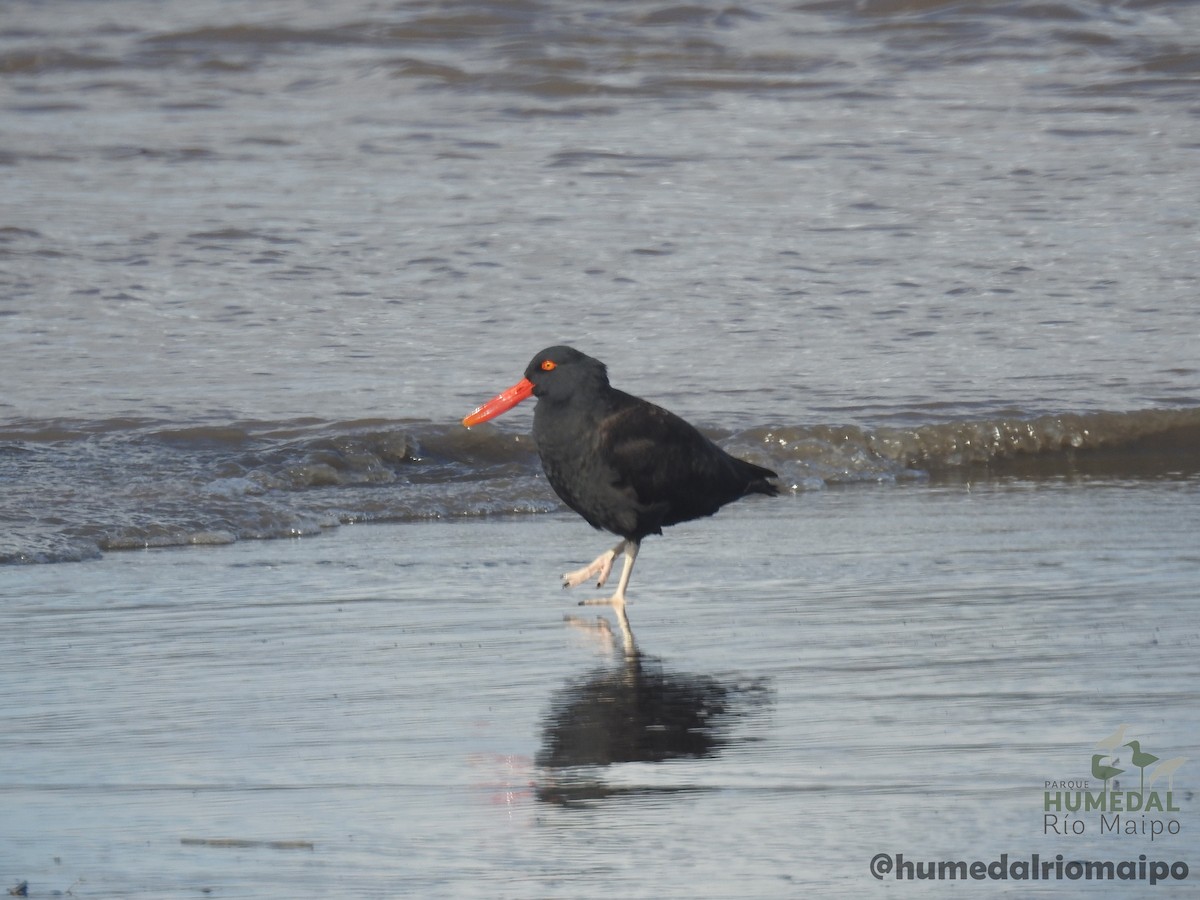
(625, 465)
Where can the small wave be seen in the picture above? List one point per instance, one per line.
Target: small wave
(40, 549)
(77, 489)
(1143, 444)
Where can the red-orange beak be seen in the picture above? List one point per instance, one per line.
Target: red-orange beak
(501, 403)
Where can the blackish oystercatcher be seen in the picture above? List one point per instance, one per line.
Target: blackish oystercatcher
(625, 465)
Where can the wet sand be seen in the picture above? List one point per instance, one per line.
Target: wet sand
(401, 710)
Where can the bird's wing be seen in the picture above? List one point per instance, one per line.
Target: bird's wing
(661, 457)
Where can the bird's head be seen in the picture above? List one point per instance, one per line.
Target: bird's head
(558, 372)
(555, 374)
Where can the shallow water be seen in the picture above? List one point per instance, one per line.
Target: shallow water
(933, 262)
(402, 710)
(256, 262)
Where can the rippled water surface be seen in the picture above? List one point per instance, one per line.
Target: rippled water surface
(814, 210)
(236, 230)
(402, 710)
(935, 263)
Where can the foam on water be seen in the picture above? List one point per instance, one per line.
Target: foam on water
(76, 489)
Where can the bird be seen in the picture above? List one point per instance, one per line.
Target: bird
(1168, 769)
(1113, 741)
(624, 464)
(1141, 759)
(1103, 772)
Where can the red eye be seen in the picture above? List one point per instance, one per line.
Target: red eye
(549, 365)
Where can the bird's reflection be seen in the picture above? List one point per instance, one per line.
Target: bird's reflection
(636, 711)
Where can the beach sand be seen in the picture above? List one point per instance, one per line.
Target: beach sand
(401, 710)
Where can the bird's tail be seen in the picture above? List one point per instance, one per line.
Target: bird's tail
(756, 478)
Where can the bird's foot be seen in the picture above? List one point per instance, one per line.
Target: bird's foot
(599, 568)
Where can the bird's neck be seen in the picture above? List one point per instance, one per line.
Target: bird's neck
(569, 419)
